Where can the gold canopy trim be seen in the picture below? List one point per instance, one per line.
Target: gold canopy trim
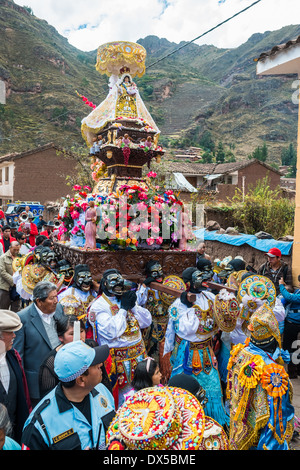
(115, 58)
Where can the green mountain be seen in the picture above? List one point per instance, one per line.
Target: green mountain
(198, 88)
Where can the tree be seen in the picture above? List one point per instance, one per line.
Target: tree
(264, 152)
(207, 142)
(207, 157)
(260, 153)
(220, 156)
(289, 158)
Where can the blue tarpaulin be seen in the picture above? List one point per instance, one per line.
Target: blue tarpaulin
(241, 239)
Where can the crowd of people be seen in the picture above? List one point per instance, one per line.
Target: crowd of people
(118, 365)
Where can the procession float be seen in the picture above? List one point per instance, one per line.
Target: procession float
(126, 219)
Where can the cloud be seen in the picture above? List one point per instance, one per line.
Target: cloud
(90, 23)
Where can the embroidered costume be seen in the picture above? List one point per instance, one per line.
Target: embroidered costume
(189, 336)
(117, 321)
(157, 303)
(164, 418)
(259, 390)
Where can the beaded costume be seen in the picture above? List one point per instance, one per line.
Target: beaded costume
(259, 390)
(164, 418)
(189, 336)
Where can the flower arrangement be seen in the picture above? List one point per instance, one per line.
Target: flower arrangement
(99, 170)
(133, 216)
(73, 208)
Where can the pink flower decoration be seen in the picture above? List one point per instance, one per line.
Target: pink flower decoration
(150, 241)
(75, 215)
(76, 187)
(152, 174)
(75, 230)
(141, 206)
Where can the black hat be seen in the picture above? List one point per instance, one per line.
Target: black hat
(187, 382)
(79, 268)
(151, 263)
(237, 264)
(110, 271)
(202, 262)
(187, 274)
(63, 262)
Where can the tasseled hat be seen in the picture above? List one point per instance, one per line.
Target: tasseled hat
(264, 325)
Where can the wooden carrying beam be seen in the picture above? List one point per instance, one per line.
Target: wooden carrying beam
(171, 291)
(190, 296)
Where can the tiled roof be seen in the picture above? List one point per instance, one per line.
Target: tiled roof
(194, 168)
(279, 48)
(14, 156)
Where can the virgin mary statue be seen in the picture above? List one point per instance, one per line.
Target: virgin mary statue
(121, 61)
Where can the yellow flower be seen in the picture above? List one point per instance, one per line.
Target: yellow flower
(275, 380)
(251, 372)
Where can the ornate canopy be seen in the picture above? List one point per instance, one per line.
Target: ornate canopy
(115, 58)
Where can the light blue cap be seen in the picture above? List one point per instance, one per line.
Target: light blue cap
(74, 358)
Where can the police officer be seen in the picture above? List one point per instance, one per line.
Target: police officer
(77, 412)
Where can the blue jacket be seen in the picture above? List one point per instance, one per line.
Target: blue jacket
(56, 424)
(33, 345)
(293, 307)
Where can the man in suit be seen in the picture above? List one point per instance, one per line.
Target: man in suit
(38, 336)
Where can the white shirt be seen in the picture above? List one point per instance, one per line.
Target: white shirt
(110, 328)
(184, 322)
(4, 372)
(46, 317)
(78, 293)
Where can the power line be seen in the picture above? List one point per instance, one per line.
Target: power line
(201, 35)
(16, 134)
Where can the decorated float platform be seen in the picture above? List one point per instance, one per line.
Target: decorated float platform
(134, 219)
(130, 263)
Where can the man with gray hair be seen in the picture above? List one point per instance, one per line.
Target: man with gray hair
(38, 336)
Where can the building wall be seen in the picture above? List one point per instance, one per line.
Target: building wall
(6, 182)
(42, 176)
(252, 173)
(256, 172)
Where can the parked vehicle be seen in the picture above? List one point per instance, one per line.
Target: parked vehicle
(15, 209)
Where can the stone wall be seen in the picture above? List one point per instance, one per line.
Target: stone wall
(251, 256)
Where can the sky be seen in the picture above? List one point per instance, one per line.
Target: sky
(89, 23)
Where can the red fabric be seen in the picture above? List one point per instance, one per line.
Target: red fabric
(11, 239)
(32, 234)
(45, 233)
(26, 390)
(2, 215)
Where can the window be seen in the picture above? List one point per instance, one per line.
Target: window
(6, 174)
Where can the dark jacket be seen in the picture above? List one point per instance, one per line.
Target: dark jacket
(33, 345)
(23, 405)
(283, 272)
